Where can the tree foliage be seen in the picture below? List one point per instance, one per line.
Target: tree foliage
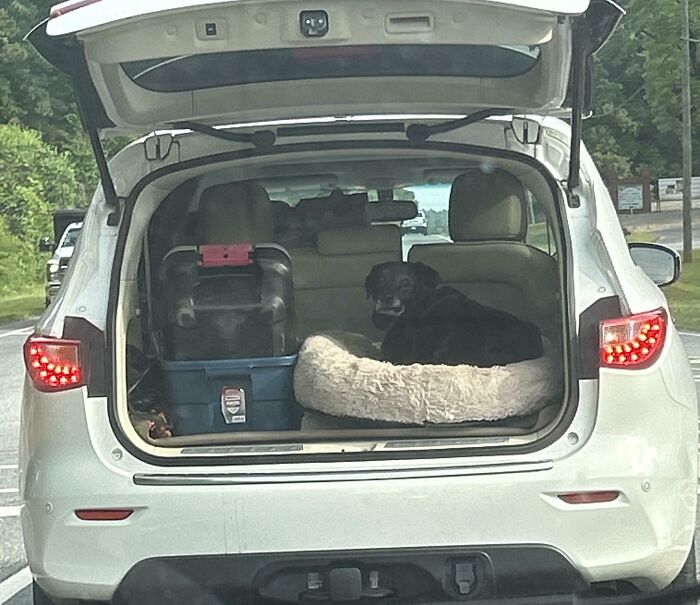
(36, 179)
(636, 123)
(35, 95)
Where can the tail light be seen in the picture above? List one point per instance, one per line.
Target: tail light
(633, 342)
(53, 364)
(104, 514)
(67, 7)
(589, 497)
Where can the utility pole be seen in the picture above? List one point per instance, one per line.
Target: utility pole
(687, 141)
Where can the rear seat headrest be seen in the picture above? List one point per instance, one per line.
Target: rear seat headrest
(236, 213)
(359, 240)
(487, 207)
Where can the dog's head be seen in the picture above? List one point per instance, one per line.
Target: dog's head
(397, 288)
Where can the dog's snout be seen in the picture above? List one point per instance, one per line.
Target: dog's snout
(389, 302)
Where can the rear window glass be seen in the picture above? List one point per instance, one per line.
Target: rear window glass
(214, 70)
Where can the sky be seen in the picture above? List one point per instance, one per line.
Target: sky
(432, 197)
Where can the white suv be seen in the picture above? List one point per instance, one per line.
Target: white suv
(167, 454)
(418, 224)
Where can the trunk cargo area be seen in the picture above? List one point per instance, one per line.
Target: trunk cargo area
(279, 311)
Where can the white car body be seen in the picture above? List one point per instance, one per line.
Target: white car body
(632, 431)
(419, 224)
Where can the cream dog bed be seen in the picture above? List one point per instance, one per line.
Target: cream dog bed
(339, 374)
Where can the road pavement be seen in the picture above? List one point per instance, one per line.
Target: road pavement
(14, 577)
(12, 557)
(673, 238)
(667, 225)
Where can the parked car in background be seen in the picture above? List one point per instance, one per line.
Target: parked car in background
(67, 227)
(419, 224)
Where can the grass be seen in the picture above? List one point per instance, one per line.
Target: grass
(684, 297)
(642, 237)
(29, 303)
(537, 236)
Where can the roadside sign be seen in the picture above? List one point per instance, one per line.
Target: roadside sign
(672, 189)
(630, 197)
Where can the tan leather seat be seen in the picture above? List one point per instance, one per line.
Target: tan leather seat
(236, 213)
(329, 280)
(489, 260)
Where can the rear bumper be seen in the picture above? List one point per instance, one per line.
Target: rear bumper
(643, 537)
(405, 575)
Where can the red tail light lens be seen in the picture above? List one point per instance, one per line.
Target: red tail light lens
(53, 364)
(589, 497)
(633, 342)
(108, 514)
(71, 5)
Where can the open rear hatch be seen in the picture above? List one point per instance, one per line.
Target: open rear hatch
(165, 62)
(143, 66)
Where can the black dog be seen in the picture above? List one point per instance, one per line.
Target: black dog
(432, 324)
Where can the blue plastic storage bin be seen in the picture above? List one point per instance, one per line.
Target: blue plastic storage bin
(219, 396)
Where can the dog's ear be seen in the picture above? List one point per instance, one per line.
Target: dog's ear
(426, 276)
(371, 280)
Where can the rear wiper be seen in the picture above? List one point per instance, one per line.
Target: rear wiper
(422, 132)
(261, 139)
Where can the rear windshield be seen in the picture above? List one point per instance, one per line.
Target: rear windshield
(193, 72)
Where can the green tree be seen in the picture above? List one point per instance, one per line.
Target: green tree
(437, 222)
(35, 95)
(16, 262)
(35, 179)
(636, 122)
(404, 194)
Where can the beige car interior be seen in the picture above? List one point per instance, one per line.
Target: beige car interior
(487, 259)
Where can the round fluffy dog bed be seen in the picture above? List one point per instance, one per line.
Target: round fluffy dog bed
(339, 374)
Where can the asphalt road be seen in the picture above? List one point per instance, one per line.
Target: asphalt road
(14, 576)
(667, 225)
(673, 237)
(12, 557)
